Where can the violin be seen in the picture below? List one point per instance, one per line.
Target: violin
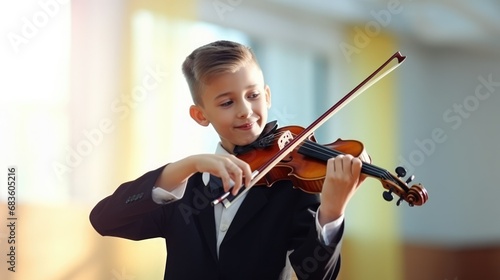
(306, 166)
(292, 153)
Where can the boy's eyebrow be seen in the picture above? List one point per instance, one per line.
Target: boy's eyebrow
(224, 94)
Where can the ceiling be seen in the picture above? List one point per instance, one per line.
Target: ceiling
(435, 22)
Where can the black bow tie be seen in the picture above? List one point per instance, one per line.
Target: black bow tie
(265, 139)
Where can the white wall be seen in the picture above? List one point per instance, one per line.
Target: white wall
(446, 105)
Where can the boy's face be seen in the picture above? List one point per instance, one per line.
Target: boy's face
(236, 105)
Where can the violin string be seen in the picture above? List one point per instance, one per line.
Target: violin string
(329, 152)
(312, 146)
(375, 171)
(325, 151)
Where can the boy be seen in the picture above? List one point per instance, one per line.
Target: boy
(265, 233)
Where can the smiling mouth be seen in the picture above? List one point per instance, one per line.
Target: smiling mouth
(245, 126)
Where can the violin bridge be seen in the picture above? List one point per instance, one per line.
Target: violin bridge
(284, 139)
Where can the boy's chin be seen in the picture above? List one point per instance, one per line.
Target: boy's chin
(248, 142)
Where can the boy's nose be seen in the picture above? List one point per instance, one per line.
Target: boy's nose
(245, 109)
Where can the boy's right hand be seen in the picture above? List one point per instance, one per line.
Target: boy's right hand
(232, 171)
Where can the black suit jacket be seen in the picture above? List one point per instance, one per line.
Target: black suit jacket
(270, 223)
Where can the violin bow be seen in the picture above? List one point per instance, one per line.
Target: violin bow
(387, 67)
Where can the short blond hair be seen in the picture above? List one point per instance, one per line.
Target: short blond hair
(210, 60)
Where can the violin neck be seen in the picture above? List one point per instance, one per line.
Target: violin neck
(314, 150)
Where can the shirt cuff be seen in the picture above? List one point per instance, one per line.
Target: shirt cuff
(329, 230)
(162, 196)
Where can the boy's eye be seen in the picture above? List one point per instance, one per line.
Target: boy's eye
(227, 103)
(254, 94)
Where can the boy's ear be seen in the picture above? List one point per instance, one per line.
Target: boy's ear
(268, 96)
(197, 115)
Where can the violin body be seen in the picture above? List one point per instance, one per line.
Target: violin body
(305, 172)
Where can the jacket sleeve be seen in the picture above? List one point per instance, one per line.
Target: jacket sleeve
(130, 211)
(311, 258)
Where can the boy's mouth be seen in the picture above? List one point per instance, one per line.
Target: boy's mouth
(245, 126)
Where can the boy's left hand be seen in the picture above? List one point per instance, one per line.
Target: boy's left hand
(343, 176)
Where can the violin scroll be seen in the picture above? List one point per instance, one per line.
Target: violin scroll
(415, 195)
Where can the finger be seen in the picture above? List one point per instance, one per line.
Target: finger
(356, 165)
(244, 175)
(246, 171)
(235, 188)
(330, 165)
(236, 176)
(347, 163)
(337, 163)
(226, 180)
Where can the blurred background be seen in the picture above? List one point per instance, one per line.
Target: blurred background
(92, 95)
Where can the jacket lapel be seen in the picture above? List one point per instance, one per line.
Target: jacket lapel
(205, 219)
(255, 200)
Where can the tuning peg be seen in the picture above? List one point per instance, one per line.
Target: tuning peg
(388, 195)
(410, 179)
(401, 171)
(399, 201)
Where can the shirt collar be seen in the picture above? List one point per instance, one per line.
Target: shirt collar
(219, 150)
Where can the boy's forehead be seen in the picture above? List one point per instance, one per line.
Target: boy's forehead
(247, 73)
(226, 83)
